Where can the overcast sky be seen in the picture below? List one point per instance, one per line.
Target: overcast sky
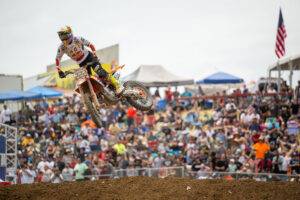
(192, 38)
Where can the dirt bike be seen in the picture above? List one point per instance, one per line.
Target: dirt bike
(96, 93)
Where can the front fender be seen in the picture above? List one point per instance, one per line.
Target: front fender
(97, 86)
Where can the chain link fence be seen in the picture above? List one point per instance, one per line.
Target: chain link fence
(182, 172)
(130, 172)
(243, 176)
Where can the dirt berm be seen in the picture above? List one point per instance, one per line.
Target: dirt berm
(154, 188)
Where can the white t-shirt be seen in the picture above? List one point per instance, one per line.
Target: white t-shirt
(286, 163)
(249, 117)
(47, 176)
(86, 145)
(28, 176)
(229, 105)
(41, 166)
(75, 50)
(5, 115)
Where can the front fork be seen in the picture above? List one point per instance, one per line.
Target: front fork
(92, 92)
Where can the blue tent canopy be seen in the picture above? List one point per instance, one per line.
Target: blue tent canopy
(15, 95)
(10, 96)
(220, 78)
(45, 92)
(26, 95)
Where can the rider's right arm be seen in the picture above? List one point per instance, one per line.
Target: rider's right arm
(59, 55)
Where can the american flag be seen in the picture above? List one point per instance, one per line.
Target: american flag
(281, 35)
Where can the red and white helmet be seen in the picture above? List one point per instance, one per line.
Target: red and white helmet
(65, 34)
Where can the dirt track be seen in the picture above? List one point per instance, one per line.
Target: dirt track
(153, 188)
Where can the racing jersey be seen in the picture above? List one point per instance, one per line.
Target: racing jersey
(75, 50)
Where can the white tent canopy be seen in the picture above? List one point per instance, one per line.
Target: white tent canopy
(156, 76)
(291, 64)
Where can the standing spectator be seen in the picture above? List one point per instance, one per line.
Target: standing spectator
(94, 141)
(85, 145)
(168, 94)
(56, 177)
(277, 163)
(48, 173)
(119, 148)
(60, 164)
(67, 141)
(221, 163)
(232, 167)
(295, 107)
(260, 148)
(41, 164)
(295, 163)
(297, 93)
(72, 118)
(80, 169)
(286, 163)
(158, 161)
(131, 114)
(28, 175)
(27, 140)
(203, 172)
(156, 93)
(5, 115)
(67, 173)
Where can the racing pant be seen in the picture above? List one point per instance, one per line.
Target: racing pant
(92, 63)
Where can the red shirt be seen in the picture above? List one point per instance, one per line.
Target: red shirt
(102, 156)
(51, 110)
(169, 95)
(131, 112)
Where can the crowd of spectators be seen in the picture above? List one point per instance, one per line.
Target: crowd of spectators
(58, 141)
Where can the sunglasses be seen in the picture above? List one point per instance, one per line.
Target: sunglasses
(64, 37)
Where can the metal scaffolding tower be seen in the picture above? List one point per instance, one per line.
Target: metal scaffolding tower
(8, 153)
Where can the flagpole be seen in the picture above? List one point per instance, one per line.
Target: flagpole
(279, 77)
(280, 47)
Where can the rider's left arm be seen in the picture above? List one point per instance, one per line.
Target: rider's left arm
(92, 47)
(88, 44)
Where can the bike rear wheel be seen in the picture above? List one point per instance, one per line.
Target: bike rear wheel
(144, 102)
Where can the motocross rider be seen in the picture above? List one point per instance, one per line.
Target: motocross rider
(74, 47)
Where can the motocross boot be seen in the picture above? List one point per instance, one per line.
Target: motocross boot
(109, 77)
(117, 85)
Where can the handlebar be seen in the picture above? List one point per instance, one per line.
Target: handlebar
(71, 71)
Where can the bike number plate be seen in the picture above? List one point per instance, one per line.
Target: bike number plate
(81, 74)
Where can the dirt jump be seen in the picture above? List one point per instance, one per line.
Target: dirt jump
(154, 188)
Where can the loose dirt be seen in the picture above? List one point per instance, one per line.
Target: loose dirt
(154, 188)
